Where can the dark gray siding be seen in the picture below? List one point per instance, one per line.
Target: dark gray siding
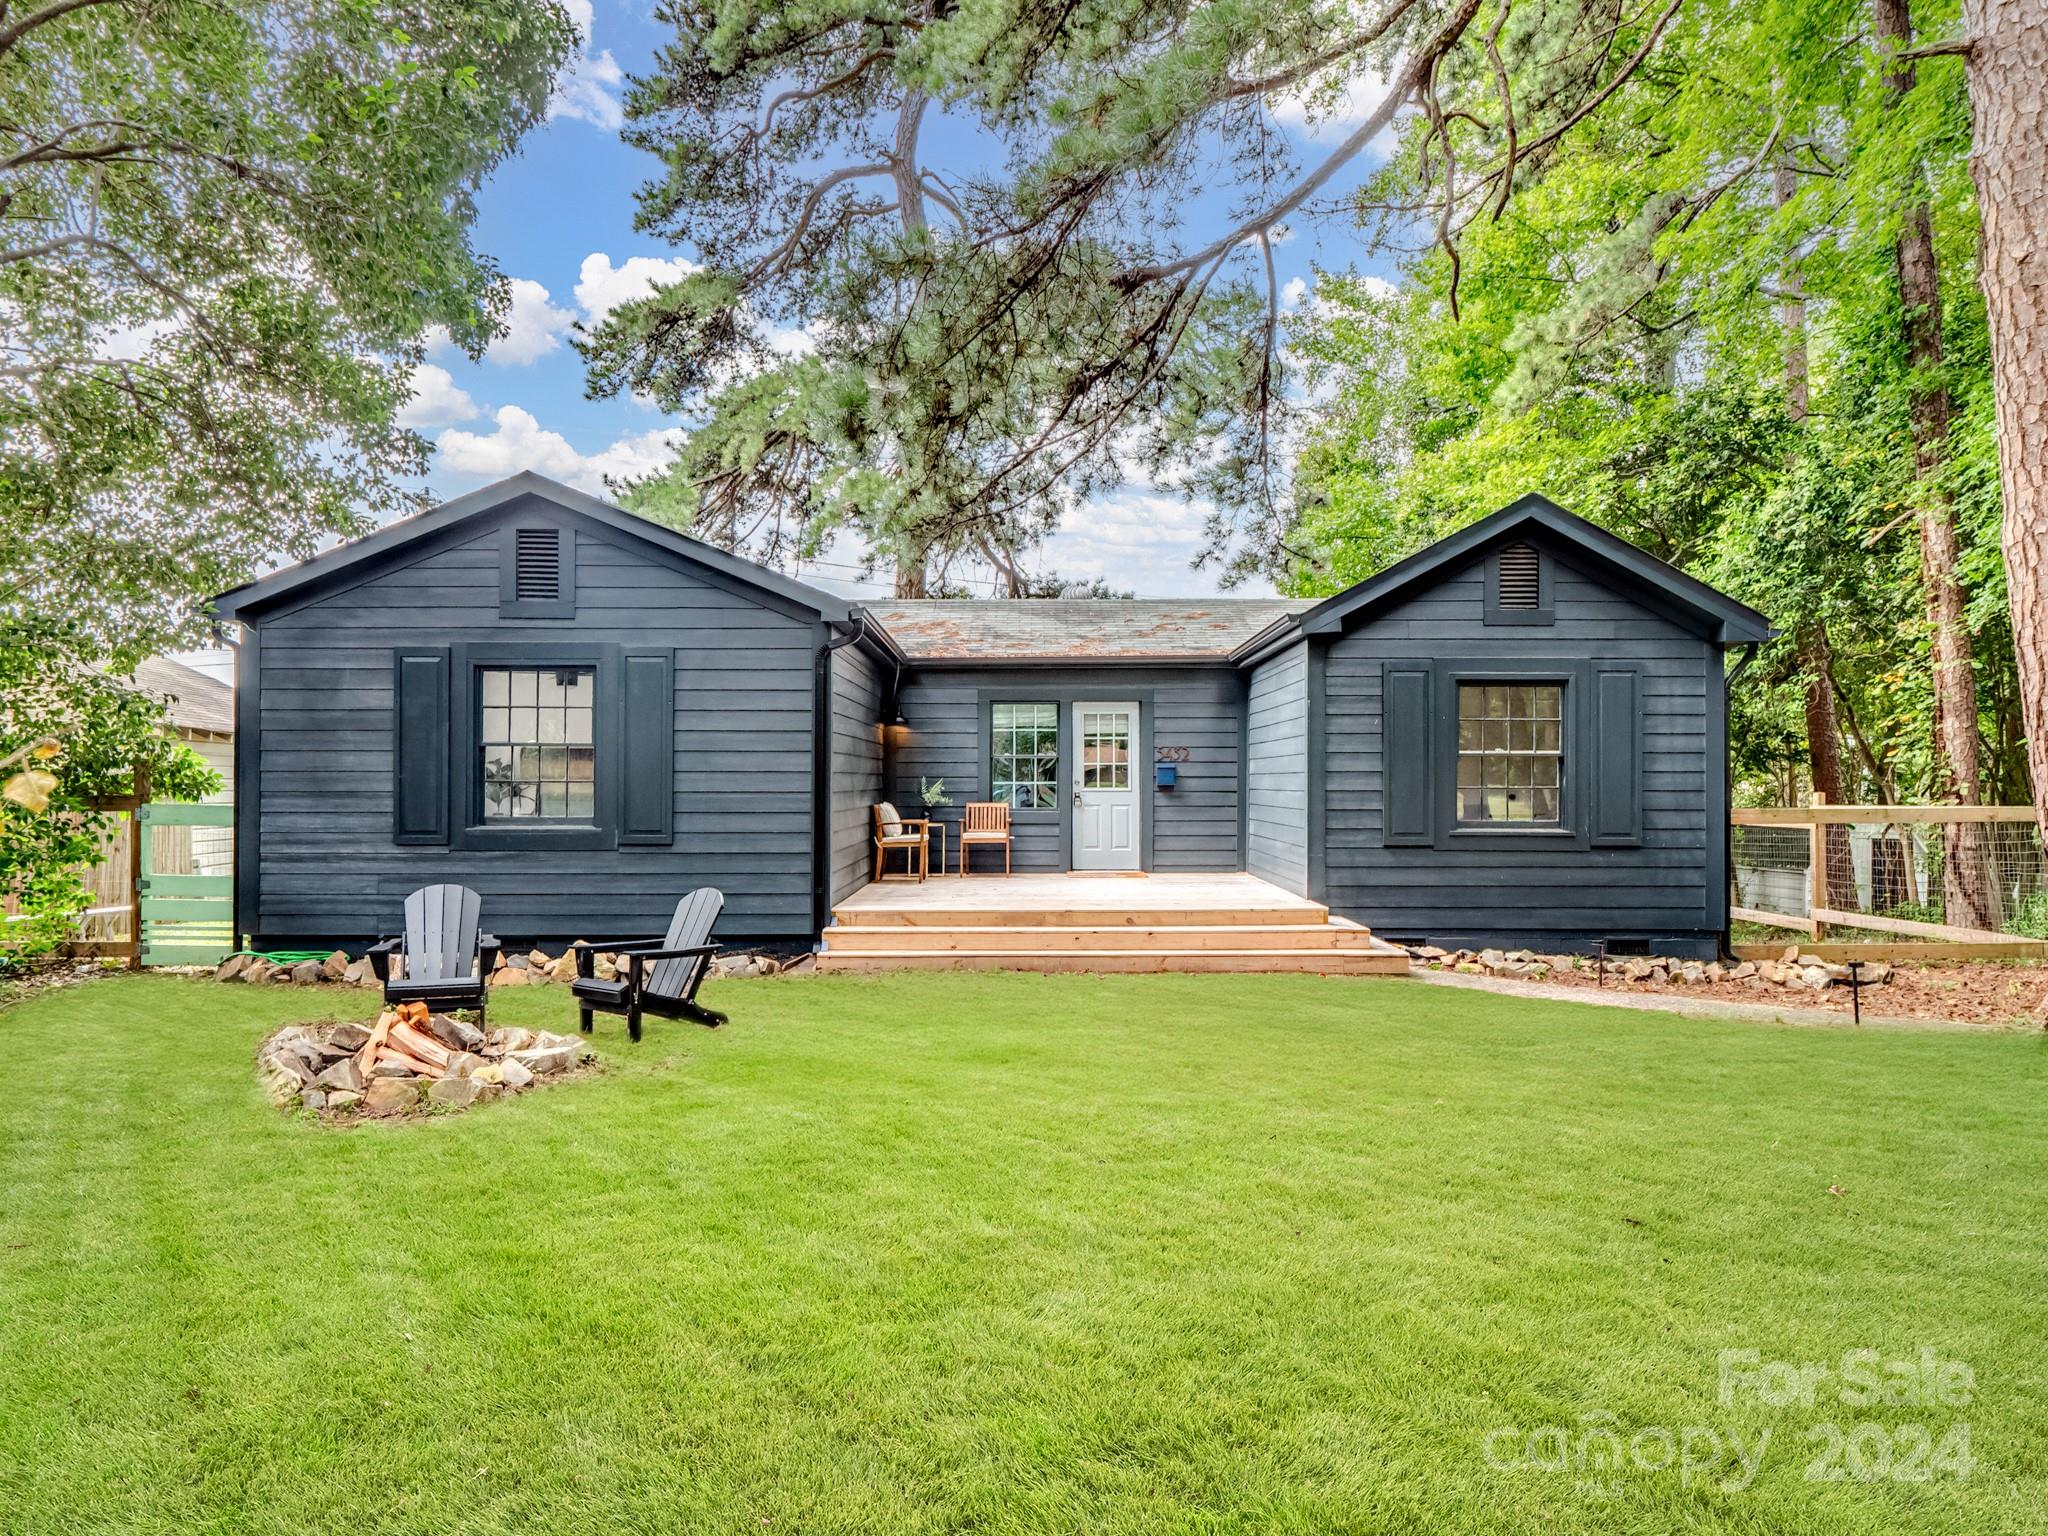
(1190, 828)
(1276, 770)
(856, 766)
(744, 685)
(1664, 887)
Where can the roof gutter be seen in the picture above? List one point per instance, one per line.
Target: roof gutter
(1276, 636)
(821, 757)
(1210, 659)
(1749, 650)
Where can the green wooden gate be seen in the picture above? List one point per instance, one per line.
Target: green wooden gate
(186, 919)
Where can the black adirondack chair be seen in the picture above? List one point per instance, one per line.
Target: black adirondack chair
(448, 959)
(658, 976)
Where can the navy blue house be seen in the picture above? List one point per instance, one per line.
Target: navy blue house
(1516, 736)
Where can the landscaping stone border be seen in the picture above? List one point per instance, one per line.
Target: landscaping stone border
(528, 968)
(320, 1067)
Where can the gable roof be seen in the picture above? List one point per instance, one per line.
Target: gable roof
(353, 557)
(195, 702)
(1721, 617)
(1077, 629)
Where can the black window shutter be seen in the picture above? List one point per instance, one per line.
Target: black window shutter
(647, 790)
(1409, 766)
(1617, 810)
(421, 765)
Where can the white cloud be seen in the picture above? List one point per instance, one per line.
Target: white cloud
(132, 343)
(437, 400)
(1140, 539)
(1323, 114)
(520, 442)
(791, 342)
(1292, 292)
(533, 328)
(588, 89)
(602, 287)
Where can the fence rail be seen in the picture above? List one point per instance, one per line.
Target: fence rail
(1967, 878)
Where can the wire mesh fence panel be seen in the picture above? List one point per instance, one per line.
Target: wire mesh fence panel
(1773, 869)
(1975, 873)
(1981, 875)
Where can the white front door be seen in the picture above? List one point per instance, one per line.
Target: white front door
(1106, 786)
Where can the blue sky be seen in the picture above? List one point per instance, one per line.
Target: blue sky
(558, 219)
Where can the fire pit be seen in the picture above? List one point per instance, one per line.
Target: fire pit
(410, 1061)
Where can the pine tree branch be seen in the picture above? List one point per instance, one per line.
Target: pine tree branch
(1399, 90)
(808, 212)
(1281, 79)
(825, 88)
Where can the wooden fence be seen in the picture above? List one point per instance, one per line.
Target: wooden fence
(162, 891)
(1937, 881)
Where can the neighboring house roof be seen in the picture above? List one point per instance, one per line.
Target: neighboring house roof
(197, 702)
(360, 555)
(1077, 629)
(1718, 615)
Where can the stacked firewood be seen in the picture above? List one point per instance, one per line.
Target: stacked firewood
(400, 1038)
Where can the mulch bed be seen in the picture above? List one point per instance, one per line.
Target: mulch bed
(1972, 992)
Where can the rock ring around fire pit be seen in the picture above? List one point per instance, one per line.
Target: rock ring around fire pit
(410, 1062)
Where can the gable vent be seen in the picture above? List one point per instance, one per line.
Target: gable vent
(1521, 577)
(537, 564)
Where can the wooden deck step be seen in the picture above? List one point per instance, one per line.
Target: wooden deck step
(1378, 959)
(1053, 938)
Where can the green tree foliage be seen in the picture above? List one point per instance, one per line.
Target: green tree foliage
(1615, 334)
(978, 214)
(225, 227)
(228, 224)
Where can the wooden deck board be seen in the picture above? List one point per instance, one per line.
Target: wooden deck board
(1148, 901)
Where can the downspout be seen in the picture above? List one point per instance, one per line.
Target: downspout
(821, 772)
(1742, 665)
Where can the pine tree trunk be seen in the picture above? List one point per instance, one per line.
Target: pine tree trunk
(910, 572)
(1967, 888)
(909, 178)
(1816, 656)
(2008, 77)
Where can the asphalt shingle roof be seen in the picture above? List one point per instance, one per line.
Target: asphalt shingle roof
(1058, 628)
(197, 702)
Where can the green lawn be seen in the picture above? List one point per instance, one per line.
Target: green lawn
(1011, 1253)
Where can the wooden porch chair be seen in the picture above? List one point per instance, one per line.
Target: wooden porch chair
(445, 957)
(658, 976)
(912, 835)
(983, 824)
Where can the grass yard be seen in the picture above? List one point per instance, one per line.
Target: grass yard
(1017, 1253)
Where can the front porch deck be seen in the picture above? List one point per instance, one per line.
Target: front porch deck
(1083, 922)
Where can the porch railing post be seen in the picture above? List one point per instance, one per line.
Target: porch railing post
(1818, 882)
